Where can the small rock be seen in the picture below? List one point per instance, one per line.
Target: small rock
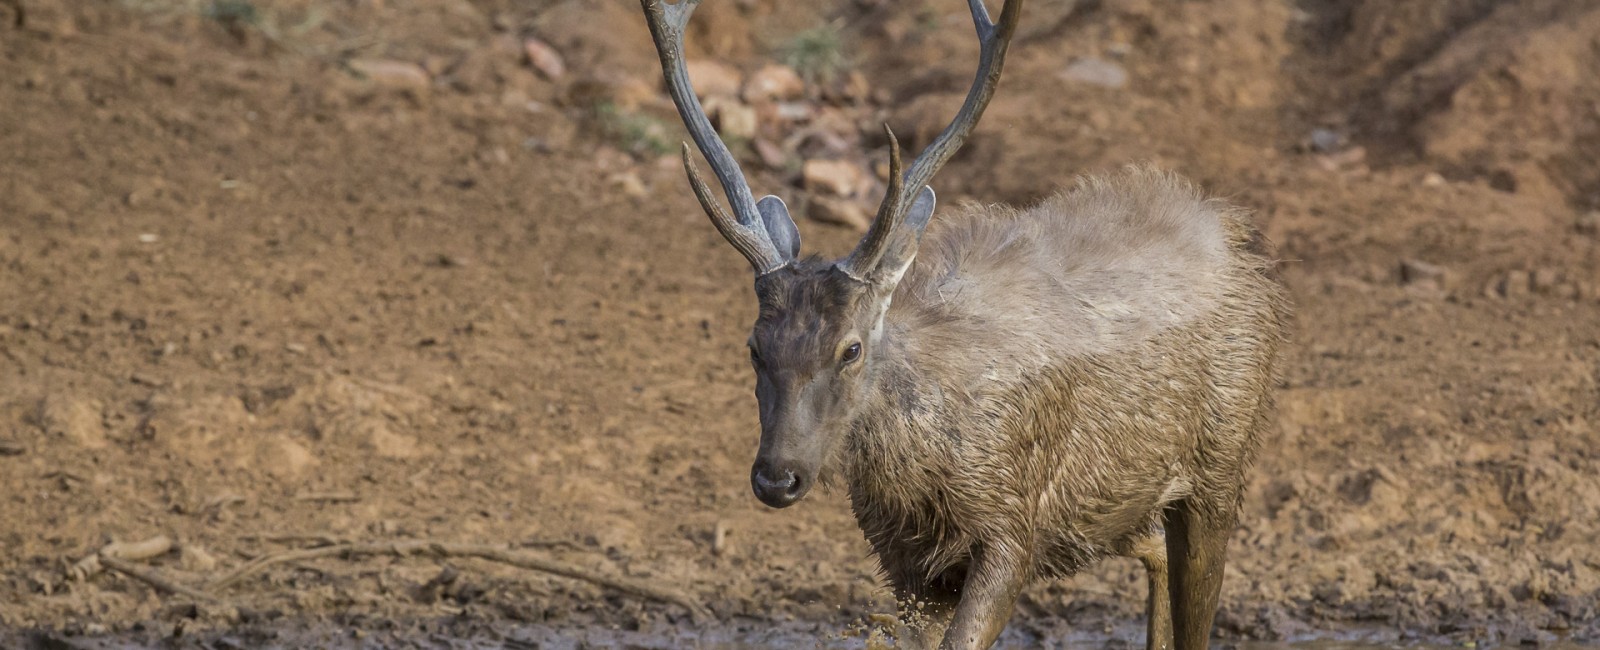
(544, 58)
(285, 458)
(389, 444)
(195, 558)
(713, 78)
(149, 238)
(1544, 280)
(773, 82)
(771, 154)
(76, 420)
(1096, 71)
(853, 87)
(1346, 158)
(842, 212)
(630, 184)
(733, 118)
(1589, 224)
(793, 111)
(836, 177)
(1433, 179)
(1418, 272)
(393, 74)
(1326, 140)
(1515, 284)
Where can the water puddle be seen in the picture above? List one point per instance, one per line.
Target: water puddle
(728, 636)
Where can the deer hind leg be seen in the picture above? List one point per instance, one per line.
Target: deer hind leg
(1151, 551)
(1197, 546)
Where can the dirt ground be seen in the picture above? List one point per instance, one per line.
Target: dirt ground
(262, 293)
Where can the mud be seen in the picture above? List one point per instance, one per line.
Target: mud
(261, 293)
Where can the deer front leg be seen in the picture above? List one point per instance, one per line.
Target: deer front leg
(994, 580)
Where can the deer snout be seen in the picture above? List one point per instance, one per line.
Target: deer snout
(779, 484)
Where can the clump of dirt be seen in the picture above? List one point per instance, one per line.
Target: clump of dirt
(293, 274)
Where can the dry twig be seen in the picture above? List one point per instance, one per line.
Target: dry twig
(154, 579)
(329, 497)
(506, 556)
(89, 566)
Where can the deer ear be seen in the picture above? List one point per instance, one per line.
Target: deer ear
(780, 227)
(902, 248)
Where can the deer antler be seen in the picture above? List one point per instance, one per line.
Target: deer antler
(762, 232)
(993, 40)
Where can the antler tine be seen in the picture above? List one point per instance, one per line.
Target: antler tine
(745, 230)
(878, 235)
(993, 40)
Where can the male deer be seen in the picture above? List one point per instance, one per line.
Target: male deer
(1037, 390)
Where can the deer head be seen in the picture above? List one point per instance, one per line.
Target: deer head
(819, 339)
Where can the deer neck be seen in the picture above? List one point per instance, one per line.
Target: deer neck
(903, 428)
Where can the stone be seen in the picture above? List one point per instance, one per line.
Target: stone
(630, 184)
(713, 78)
(1589, 223)
(771, 154)
(1515, 284)
(285, 458)
(1416, 272)
(841, 212)
(1326, 140)
(390, 73)
(733, 119)
(544, 58)
(773, 82)
(836, 177)
(1544, 280)
(1096, 71)
(74, 419)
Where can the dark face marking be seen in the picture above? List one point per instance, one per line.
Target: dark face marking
(812, 356)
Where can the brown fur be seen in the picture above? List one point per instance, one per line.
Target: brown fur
(1045, 387)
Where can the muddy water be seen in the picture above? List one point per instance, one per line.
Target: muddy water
(723, 637)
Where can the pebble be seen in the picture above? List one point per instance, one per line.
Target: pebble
(1544, 280)
(771, 154)
(392, 73)
(836, 177)
(73, 419)
(1515, 284)
(773, 82)
(733, 118)
(544, 58)
(713, 78)
(838, 211)
(1326, 140)
(1589, 224)
(630, 184)
(1096, 71)
(1423, 274)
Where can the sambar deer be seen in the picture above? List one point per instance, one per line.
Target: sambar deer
(1036, 390)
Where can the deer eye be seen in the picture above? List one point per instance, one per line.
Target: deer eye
(851, 354)
(755, 357)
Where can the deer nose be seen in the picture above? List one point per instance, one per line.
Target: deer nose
(776, 485)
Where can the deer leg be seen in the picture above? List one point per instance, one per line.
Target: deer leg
(1152, 553)
(1197, 546)
(993, 584)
